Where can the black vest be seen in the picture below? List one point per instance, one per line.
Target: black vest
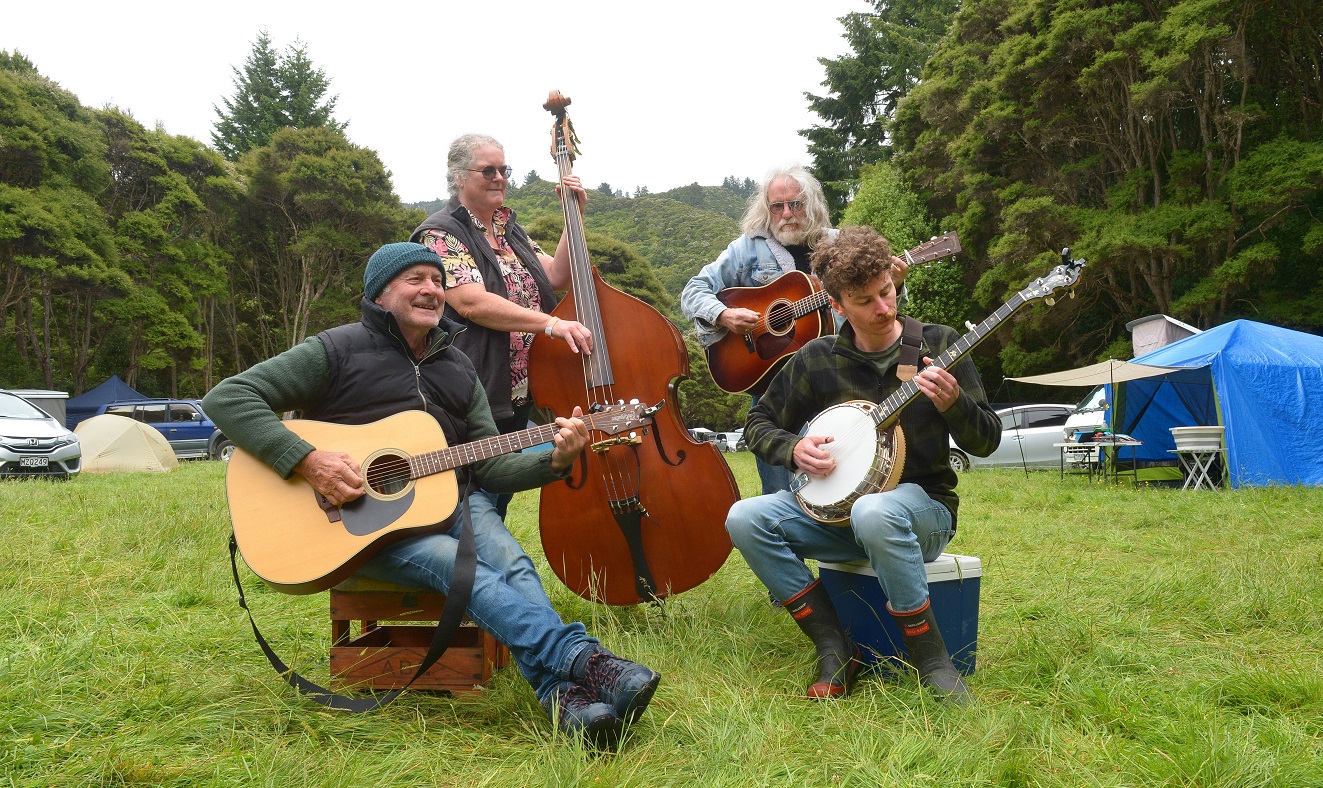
(489, 349)
(373, 375)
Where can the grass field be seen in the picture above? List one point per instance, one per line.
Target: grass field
(1127, 637)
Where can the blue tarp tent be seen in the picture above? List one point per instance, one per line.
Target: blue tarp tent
(1263, 383)
(84, 405)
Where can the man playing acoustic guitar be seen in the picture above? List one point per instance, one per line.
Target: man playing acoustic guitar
(786, 219)
(398, 358)
(897, 530)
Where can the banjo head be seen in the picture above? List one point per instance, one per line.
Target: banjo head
(868, 459)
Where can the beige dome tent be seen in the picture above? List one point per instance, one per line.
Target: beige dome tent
(117, 443)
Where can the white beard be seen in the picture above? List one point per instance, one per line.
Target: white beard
(789, 237)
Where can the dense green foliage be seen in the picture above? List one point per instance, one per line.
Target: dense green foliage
(1178, 146)
(133, 251)
(1110, 653)
(888, 50)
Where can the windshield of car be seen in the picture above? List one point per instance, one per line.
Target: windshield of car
(1092, 401)
(15, 407)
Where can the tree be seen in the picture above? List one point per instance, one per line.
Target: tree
(1176, 145)
(271, 93)
(316, 207)
(531, 177)
(889, 48)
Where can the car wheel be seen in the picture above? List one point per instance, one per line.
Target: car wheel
(959, 462)
(224, 450)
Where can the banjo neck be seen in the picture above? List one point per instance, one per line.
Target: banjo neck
(1064, 275)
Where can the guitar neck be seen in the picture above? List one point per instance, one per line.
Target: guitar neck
(909, 390)
(447, 459)
(930, 250)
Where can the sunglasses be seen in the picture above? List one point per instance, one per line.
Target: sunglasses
(489, 172)
(795, 206)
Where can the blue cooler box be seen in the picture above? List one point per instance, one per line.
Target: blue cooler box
(953, 582)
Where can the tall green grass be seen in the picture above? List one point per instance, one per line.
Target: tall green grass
(1127, 637)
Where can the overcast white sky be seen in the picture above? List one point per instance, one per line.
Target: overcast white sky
(664, 94)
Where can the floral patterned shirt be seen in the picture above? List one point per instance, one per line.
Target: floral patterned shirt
(520, 287)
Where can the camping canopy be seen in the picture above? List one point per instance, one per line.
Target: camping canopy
(1262, 383)
(118, 443)
(84, 405)
(1103, 374)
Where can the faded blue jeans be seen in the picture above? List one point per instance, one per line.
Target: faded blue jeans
(508, 599)
(896, 531)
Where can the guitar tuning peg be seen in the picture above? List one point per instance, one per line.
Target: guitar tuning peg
(1050, 301)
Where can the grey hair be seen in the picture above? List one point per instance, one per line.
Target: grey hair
(758, 216)
(462, 153)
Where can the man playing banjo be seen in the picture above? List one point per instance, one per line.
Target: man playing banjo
(896, 530)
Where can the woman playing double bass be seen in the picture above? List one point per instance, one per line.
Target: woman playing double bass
(499, 282)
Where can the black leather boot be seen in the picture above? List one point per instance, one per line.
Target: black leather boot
(838, 656)
(928, 655)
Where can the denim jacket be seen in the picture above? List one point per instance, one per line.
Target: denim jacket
(750, 261)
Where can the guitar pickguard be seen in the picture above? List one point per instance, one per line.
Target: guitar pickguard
(367, 515)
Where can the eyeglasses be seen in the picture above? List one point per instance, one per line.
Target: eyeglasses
(795, 206)
(489, 172)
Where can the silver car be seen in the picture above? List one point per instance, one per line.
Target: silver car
(1028, 437)
(34, 444)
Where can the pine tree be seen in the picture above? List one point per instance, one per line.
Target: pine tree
(272, 92)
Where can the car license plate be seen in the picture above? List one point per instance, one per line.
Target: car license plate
(34, 462)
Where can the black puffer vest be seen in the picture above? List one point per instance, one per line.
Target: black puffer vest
(373, 375)
(489, 349)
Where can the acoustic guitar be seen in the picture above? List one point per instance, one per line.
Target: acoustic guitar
(792, 315)
(299, 543)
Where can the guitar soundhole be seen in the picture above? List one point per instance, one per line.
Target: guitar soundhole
(780, 316)
(388, 475)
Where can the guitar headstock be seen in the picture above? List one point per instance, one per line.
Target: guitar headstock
(941, 246)
(621, 417)
(1063, 276)
(564, 142)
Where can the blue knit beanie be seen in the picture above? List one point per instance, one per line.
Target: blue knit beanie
(387, 262)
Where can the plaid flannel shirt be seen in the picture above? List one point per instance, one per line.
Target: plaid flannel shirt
(831, 370)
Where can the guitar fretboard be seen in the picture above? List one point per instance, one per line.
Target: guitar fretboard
(924, 252)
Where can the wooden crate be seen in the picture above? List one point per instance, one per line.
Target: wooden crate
(385, 656)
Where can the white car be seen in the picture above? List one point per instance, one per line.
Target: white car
(1028, 437)
(34, 444)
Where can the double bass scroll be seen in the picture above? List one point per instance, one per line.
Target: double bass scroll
(647, 519)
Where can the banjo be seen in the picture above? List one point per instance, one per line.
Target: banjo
(869, 445)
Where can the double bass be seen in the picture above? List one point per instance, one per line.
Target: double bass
(643, 515)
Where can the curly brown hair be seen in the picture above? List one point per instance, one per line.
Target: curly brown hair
(855, 257)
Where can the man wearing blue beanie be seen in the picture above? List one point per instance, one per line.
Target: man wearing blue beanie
(397, 358)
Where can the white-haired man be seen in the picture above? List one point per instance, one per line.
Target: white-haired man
(785, 221)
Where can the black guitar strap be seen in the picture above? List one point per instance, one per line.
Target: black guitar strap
(911, 340)
(452, 615)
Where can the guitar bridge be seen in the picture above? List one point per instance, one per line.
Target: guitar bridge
(748, 343)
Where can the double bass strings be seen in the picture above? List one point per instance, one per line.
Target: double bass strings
(596, 367)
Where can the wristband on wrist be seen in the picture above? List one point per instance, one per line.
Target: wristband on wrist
(547, 329)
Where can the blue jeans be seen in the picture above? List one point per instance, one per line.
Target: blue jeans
(508, 599)
(897, 531)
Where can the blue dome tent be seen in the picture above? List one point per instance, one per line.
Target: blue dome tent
(1262, 383)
